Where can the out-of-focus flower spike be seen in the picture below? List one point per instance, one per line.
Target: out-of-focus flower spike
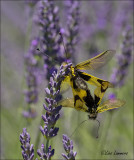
(32, 78)
(72, 26)
(31, 94)
(124, 60)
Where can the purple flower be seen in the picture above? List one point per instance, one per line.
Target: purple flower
(46, 155)
(111, 96)
(68, 146)
(124, 60)
(31, 113)
(31, 94)
(32, 77)
(52, 112)
(73, 19)
(50, 41)
(27, 149)
(52, 108)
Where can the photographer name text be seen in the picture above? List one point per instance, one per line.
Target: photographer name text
(107, 152)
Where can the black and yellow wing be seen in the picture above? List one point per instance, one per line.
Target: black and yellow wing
(97, 61)
(82, 95)
(82, 99)
(65, 84)
(110, 104)
(101, 84)
(94, 80)
(69, 102)
(79, 96)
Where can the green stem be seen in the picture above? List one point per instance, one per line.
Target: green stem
(47, 145)
(39, 134)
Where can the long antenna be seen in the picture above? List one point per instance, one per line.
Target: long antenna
(77, 127)
(46, 55)
(63, 43)
(98, 128)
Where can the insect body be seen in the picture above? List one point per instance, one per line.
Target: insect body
(82, 99)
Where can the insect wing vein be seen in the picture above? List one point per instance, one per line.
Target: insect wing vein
(97, 61)
(110, 104)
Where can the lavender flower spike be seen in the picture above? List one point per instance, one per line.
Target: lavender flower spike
(124, 60)
(27, 149)
(68, 146)
(52, 112)
(48, 20)
(46, 155)
(73, 19)
(52, 109)
(31, 94)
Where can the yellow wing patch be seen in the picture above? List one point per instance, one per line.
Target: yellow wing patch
(110, 104)
(97, 61)
(65, 84)
(78, 94)
(94, 80)
(69, 102)
(101, 84)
